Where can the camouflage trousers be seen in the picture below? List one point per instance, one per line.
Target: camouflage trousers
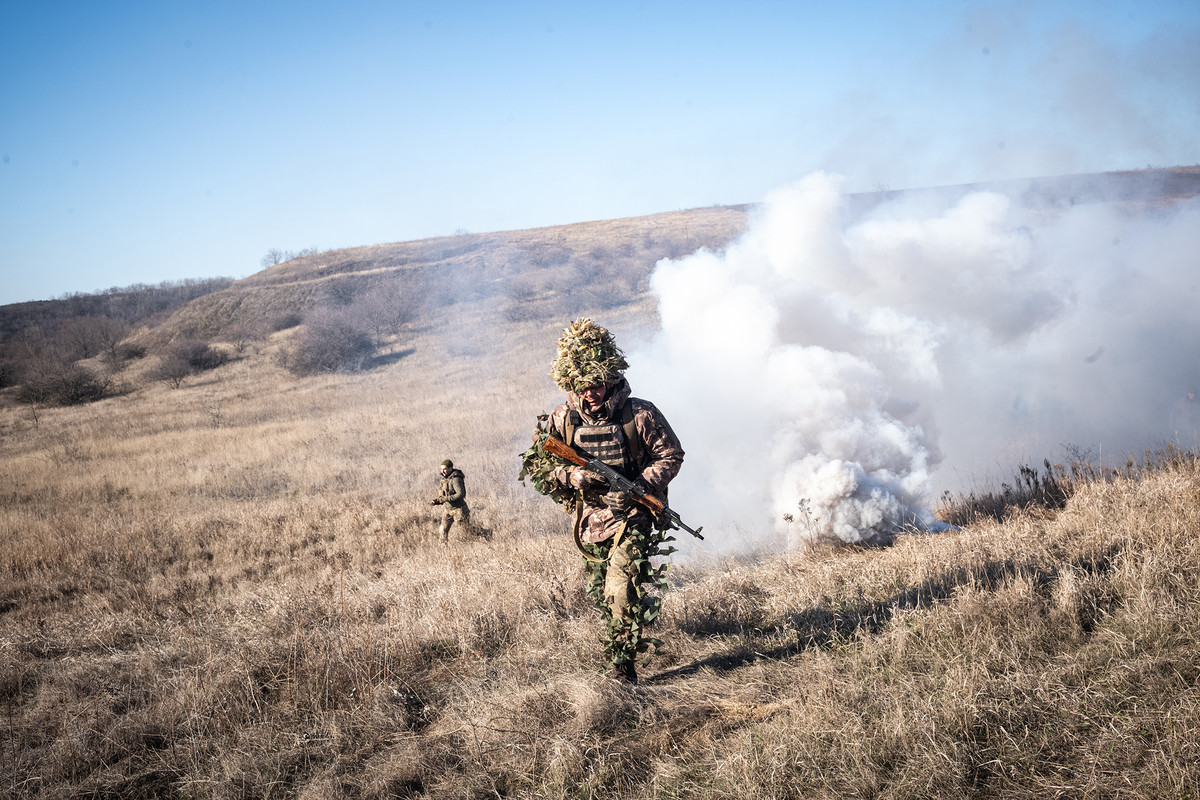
(619, 580)
(461, 514)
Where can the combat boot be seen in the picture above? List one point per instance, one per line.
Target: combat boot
(624, 673)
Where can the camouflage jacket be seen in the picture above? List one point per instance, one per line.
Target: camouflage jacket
(453, 489)
(659, 460)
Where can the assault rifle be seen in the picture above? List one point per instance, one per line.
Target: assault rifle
(617, 482)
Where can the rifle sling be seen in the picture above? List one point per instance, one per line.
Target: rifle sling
(578, 527)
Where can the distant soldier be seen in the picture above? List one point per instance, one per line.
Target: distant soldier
(452, 493)
(616, 536)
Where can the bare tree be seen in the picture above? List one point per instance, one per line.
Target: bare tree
(172, 371)
(243, 333)
(84, 337)
(110, 334)
(273, 257)
(276, 256)
(386, 308)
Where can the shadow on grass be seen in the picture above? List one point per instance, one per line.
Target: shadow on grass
(387, 359)
(823, 627)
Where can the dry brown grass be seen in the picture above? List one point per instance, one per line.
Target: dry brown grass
(233, 589)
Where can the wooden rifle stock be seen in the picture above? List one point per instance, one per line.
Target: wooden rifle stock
(616, 481)
(558, 447)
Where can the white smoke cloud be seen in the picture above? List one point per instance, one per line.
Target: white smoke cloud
(829, 372)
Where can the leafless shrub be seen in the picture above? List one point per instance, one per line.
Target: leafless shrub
(10, 372)
(84, 337)
(608, 295)
(63, 384)
(131, 351)
(65, 449)
(80, 385)
(289, 319)
(186, 358)
(333, 340)
(547, 254)
(385, 308)
(524, 300)
(242, 334)
(198, 355)
(341, 291)
(172, 371)
(130, 305)
(276, 256)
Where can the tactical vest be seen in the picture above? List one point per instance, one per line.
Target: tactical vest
(447, 488)
(615, 443)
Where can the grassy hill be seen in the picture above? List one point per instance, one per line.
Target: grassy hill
(539, 273)
(233, 588)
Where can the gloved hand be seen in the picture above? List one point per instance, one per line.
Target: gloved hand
(585, 479)
(619, 502)
(436, 502)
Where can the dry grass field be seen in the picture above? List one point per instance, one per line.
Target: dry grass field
(234, 589)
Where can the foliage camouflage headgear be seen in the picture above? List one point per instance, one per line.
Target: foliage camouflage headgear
(587, 356)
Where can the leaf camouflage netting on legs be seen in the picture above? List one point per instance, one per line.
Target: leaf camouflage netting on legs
(624, 637)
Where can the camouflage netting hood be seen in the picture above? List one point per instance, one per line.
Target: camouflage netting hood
(587, 356)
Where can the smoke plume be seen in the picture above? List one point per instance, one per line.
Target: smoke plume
(834, 369)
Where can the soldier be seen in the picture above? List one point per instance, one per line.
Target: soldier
(452, 493)
(616, 536)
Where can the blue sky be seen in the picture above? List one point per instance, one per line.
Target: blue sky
(151, 141)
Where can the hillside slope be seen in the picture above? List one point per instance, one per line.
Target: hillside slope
(545, 271)
(556, 271)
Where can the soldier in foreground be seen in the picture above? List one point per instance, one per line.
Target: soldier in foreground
(452, 493)
(615, 533)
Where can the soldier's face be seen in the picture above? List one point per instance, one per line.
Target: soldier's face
(593, 396)
(444, 470)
